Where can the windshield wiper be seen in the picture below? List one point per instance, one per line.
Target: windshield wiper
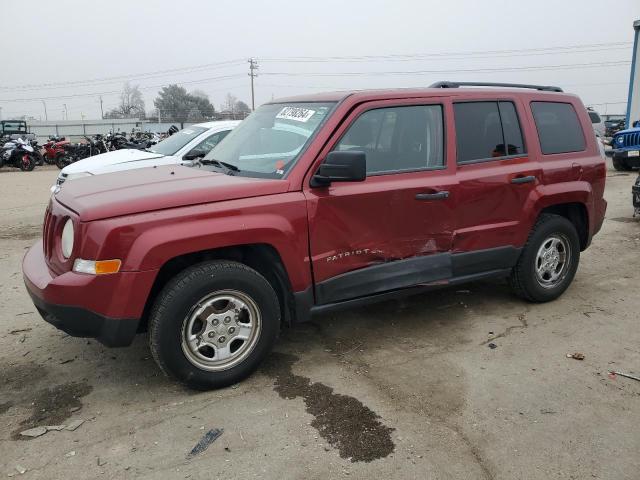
(226, 167)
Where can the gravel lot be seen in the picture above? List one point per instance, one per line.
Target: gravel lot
(404, 389)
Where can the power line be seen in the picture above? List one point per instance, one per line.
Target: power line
(569, 66)
(95, 81)
(114, 92)
(355, 58)
(438, 57)
(546, 50)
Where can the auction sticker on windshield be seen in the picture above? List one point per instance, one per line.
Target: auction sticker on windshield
(295, 113)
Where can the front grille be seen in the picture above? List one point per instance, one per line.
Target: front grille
(629, 140)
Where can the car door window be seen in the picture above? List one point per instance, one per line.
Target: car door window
(558, 127)
(487, 130)
(511, 129)
(398, 139)
(208, 143)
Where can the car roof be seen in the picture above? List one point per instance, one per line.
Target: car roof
(368, 95)
(219, 124)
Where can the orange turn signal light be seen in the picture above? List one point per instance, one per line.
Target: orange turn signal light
(107, 266)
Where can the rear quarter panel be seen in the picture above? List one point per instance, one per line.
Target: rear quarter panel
(574, 177)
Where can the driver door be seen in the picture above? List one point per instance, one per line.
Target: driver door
(393, 230)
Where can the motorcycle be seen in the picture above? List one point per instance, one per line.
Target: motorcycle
(36, 152)
(19, 154)
(78, 151)
(120, 142)
(54, 149)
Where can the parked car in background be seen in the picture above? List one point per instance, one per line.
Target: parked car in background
(187, 144)
(13, 127)
(613, 124)
(317, 203)
(597, 122)
(626, 149)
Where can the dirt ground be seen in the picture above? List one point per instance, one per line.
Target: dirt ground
(403, 389)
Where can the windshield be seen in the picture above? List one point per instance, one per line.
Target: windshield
(270, 140)
(170, 145)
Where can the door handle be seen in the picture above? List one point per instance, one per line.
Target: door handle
(519, 180)
(433, 196)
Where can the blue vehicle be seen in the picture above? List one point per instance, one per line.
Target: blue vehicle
(626, 149)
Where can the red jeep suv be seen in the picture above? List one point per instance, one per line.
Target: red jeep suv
(321, 202)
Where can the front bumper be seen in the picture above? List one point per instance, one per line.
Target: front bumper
(79, 322)
(105, 307)
(630, 161)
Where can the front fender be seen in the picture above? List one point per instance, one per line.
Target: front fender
(149, 240)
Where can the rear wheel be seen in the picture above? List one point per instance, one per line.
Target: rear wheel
(549, 260)
(213, 324)
(62, 161)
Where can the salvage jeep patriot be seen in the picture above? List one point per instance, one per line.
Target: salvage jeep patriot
(322, 202)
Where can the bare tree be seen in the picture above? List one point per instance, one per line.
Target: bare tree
(131, 103)
(230, 103)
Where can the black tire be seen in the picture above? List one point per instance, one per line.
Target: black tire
(27, 162)
(523, 278)
(62, 161)
(39, 158)
(620, 165)
(182, 294)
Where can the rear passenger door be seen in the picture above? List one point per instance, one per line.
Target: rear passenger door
(496, 177)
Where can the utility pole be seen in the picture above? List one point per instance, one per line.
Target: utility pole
(253, 66)
(159, 116)
(0, 113)
(101, 110)
(46, 117)
(66, 112)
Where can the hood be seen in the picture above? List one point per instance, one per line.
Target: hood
(106, 160)
(628, 130)
(148, 189)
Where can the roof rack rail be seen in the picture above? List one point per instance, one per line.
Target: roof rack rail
(545, 88)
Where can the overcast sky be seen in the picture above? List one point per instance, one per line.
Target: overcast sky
(582, 46)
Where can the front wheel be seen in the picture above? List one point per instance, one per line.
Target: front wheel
(27, 162)
(549, 260)
(213, 324)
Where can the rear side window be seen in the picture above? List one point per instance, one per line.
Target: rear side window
(558, 127)
(486, 130)
(398, 139)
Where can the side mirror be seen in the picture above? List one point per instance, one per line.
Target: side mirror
(341, 167)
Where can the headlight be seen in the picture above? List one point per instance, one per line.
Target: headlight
(73, 176)
(620, 139)
(67, 239)
(96, 267)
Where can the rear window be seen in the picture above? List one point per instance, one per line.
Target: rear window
(595, 118)
(558, 127)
